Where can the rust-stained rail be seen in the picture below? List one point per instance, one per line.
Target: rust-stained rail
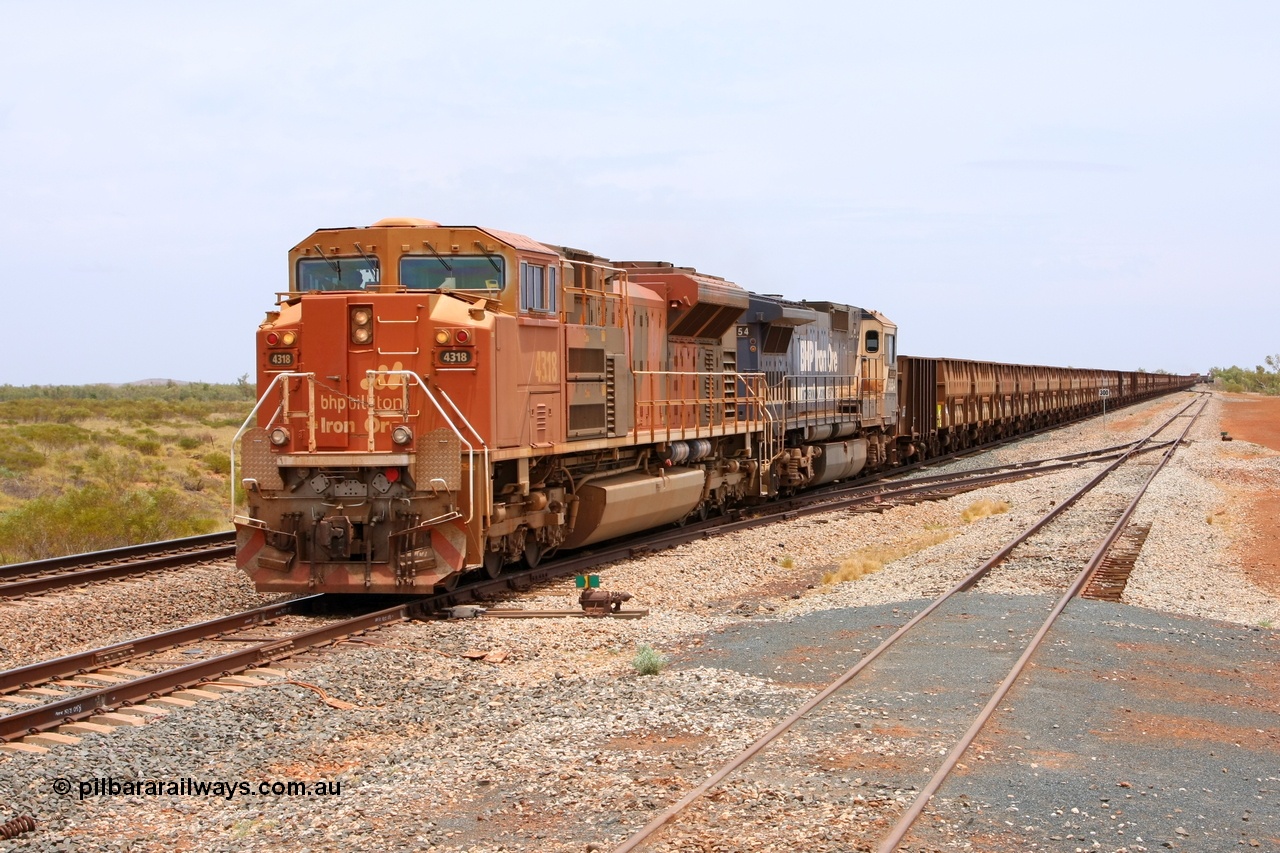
(903, 826)
(71, 665)
(661, 820)
(85, 705)
(43, 575)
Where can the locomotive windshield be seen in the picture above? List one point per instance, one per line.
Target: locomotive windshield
(456, 272)
(337, 273)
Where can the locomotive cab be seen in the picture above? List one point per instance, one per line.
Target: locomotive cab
(364, 464)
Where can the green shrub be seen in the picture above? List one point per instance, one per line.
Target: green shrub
(145, 446)
(649, 662)
(1260, 380)
(18, 457)
(117, 471)
(188, 442)
(55, 436)
(96, 517)
(218, 462)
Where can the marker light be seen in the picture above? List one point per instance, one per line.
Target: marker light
(462, 336)
(272, 339)
(288, 338)
(442, 336)
(361, 324)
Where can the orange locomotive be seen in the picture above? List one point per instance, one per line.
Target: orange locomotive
(437, 400)
(441, 399)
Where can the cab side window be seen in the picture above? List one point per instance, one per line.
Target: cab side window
(538, 286)
(873, 341)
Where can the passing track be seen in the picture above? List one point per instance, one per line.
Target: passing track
(898, 832)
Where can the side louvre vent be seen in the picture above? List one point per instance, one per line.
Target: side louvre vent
(587, 418)
(611, 397)
(586, 363)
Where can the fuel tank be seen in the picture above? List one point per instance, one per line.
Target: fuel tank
(839, 460)
(635, 501)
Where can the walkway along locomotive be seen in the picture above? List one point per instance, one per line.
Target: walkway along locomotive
(441, 399)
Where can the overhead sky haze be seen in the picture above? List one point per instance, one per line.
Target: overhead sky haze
(1084, 184)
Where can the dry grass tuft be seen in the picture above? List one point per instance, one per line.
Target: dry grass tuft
(983, 509)
(870, 560)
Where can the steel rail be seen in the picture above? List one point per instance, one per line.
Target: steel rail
(978, 476)
(74, 577)
(71, 665)
(128, 552)
(85, 705)
(954, 455)
(900, 829)
(785, 725)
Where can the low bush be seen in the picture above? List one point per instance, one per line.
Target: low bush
(95, 517)
(18, 457)
(218, 462)
(1260, 380)
(55, 436)
(649, 662)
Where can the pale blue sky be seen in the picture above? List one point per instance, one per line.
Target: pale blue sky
(1087, 184)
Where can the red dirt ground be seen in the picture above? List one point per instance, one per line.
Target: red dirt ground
(1255, 418)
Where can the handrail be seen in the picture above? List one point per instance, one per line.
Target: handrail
(471, 451)
(244, 427)
(772, 435)
(722, 409)
(373, 413)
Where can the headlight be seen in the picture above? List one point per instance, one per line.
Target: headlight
(279, 436)
(360, 317)
(401, 434)
(361, 335)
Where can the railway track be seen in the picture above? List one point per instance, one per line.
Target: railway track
(862, 494)
(77, 687)
(899, 826)
(19, 579)
(85, 686)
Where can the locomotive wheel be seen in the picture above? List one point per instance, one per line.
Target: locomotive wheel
(493, 563)
(533, 552)
(450, 583)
